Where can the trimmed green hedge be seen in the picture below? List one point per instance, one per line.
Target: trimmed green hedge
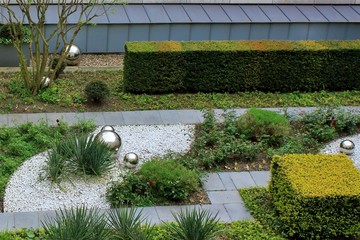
(316, 196)
(239, 66)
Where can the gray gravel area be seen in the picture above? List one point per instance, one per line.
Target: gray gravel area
(334, 147)
(101, 60)
(30, 190)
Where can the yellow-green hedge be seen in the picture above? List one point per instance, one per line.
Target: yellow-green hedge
(316, 196)
(239, 66)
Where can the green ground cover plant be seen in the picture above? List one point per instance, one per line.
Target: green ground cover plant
(67, 94)
(156, 182)
(19, 143)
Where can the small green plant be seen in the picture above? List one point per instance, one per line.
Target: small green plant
(169, 179)
(259, 125)
(60, 69)
(194, 225)
(129, 224)
(11, 31)
(56, 165)
(240, 230)
(97, 90)
(80, 224)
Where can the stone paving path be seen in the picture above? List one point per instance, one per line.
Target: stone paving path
(221, 187)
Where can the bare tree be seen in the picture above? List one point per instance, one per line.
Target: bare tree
(34, 14)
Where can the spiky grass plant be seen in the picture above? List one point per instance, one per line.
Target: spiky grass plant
(194, 225)
(79, 223)
(90, 156)
(55, 166)
(129, 224)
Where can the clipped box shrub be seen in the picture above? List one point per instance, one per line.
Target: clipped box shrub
(316, 196)
(239, 66)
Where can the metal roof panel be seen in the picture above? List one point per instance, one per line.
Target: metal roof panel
(292, 13)
(347, 12)
(102, 18)
(274, 13)
(196, 13)
(255, 13)
(117, 14)
(216, 13)
(312, 13)
(157, 14)
(330, 13)
(235, 13)
(136, 14)
(176, 13)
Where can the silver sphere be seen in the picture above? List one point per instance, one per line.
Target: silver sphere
(347, 147)
(74, 52)
(45, 82)
(131, 160)
(107, 128)
(112, 139)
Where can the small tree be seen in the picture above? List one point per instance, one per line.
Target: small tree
(34, 15)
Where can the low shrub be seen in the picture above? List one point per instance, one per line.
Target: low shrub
(11, 31)
(97, 90)
(259, 125)
(316, 196)
(155, 182)
(325, 124)
(253, 230)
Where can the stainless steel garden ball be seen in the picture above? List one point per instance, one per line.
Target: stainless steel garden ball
(112, 139)
(45, 82)
(131, 158)
(107, 128)
(73, 54)
(347, 147)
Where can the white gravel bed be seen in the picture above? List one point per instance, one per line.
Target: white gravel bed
(333, 147)
(29, 190)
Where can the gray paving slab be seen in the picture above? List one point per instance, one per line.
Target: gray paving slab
(17, 119)
(151, 117)
(46, 216)
(169, 116)
(7, 221)
(220, 197)
(242, 179)
(261, 178)
(237, 211)
(133, 118)
(36, 118)
(219, 211)
(114, 118)
(212, 182)
(73, 118)
(150, 214)
(26, 220)
(97, 117)
(190, 116)
(3, 119)
(165, 212)
(227, 181)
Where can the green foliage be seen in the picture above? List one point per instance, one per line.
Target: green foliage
(23, 233)
(194, 225)
(97, 90)
(241, 66)
(316, 196)
(80, 224)
(253, 230)
(56, 164)
(11, 31)
(60, 69)
(169, 179)
(50, 95)
(259, 125)
(155, 182)
(129, 224)
(324, 124)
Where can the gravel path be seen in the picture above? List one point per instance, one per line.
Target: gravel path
(29, 190)
(333, 147)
